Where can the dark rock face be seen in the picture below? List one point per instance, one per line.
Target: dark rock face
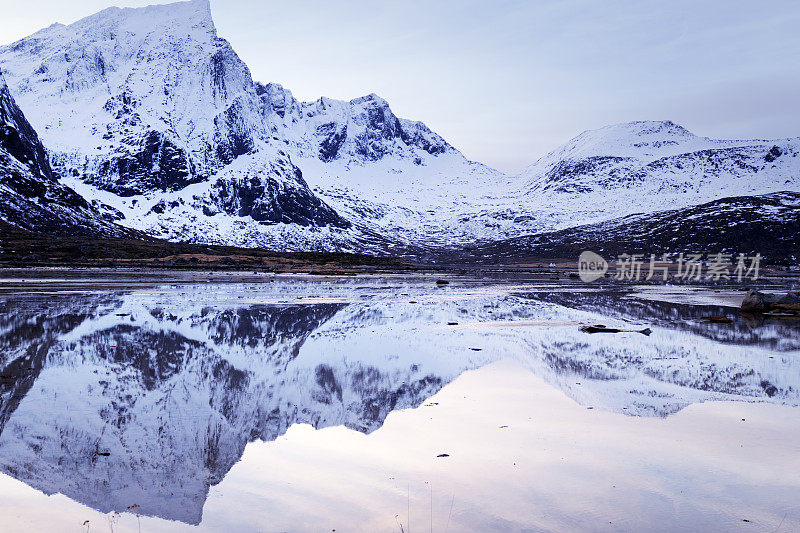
(759, 302)
(17, 136)
(332, 139)
(155, 163)
(414, 137)
(381, 125)
(362, 130)
(273, 202)
(731, 160)
(275, 100)
(773, 154)
(238, 138)
(614, 172)
(145, 161)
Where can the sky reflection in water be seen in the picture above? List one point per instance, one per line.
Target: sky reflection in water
(348, 392)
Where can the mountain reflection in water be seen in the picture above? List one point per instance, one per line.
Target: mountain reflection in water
(149, 396)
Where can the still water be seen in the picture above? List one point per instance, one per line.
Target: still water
(392, 404)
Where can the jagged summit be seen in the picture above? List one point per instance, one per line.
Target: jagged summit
(193, 16)
(132, 76)
(144, 103)
(191, 13)
(371, 97)
(149, 101)
(361, 130)
(159, 75)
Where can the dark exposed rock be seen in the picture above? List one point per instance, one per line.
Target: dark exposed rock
(18, 138)
(773, 154)
(153, 162)
(274, 202)
(769, 388)
(560, 177)
(332, 140)
(237, 138)
(759, 302)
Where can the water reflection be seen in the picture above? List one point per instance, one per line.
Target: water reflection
(745, 329)
(150, 396)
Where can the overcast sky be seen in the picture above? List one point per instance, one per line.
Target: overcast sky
(505, 81)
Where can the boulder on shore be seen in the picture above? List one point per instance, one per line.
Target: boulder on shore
(758, 302)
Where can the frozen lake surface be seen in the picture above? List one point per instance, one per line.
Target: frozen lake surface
(392, 404)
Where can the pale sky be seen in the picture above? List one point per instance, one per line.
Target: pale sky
(505, 81)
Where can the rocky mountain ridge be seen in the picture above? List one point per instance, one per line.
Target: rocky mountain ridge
(150, 112)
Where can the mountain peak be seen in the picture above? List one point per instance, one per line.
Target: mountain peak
(371, 98)
(159, 68)
(645, 140)
(626, 132)
(663, 128)
(181, 18)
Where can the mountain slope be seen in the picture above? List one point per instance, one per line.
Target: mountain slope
(31, 198)
(767, 224)
(150, 111)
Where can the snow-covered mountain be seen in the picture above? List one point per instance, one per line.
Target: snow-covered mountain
(148, 110)
(651, 166)
(142, 103)
(31, 197)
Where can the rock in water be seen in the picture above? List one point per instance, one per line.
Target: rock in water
(758, 302)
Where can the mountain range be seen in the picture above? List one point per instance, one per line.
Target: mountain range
(144, 121)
